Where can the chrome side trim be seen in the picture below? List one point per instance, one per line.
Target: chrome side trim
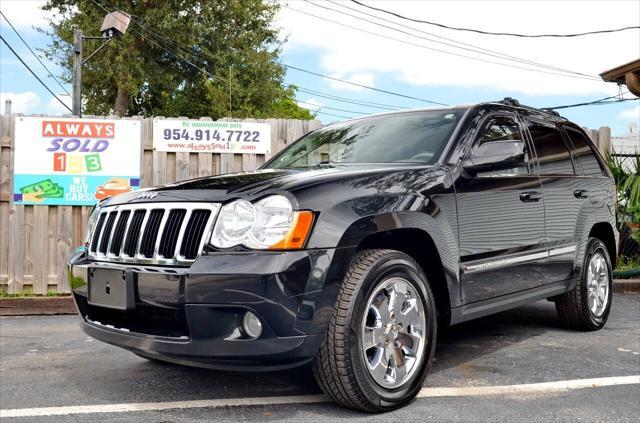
(562, 250)
(510, 261)
(505, 262)
(157, 259)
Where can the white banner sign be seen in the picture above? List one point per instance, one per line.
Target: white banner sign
(198, 136)
(60, 161)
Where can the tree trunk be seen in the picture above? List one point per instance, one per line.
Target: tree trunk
(122, 101)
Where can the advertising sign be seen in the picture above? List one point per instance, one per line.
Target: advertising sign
(197, 136)
(59, 161)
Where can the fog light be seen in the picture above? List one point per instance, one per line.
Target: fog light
(251, 325)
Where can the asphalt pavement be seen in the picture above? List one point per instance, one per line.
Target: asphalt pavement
(490, 369)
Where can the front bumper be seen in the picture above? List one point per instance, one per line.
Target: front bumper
(192, 315)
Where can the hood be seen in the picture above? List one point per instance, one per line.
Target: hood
(251, 185)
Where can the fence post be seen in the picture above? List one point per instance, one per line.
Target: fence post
(604, 140)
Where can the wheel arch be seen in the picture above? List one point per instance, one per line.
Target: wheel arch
(421, 247)
(605, 233)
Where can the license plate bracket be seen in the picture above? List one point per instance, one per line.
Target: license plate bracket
(111, 288)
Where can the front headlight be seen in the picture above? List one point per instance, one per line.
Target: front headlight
(234, 223)
(270, 223)
(93, 219)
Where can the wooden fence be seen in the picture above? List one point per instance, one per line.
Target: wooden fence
(36, 241)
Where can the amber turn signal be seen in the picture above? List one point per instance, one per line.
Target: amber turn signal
(297, 236)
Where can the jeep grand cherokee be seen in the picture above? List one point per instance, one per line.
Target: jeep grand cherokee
(349, 248)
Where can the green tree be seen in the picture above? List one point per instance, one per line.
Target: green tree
(235, 40)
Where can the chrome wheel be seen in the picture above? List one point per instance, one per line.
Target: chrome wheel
(598, 285)
(393, 332)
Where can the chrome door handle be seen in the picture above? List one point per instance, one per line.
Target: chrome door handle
(530, 196)
(581, 193)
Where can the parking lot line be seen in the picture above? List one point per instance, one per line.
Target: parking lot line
(530, 388)
(533, 388)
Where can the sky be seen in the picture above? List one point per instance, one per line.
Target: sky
(350, 42)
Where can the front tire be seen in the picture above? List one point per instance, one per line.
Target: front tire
(586, 307)
(382, 333)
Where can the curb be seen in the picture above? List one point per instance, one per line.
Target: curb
(52, 306)
(37, 306)
(626, 285)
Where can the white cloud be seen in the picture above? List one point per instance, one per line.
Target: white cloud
(310, 104)
(357, 78)
(630, 114)
(55, 108)
(24, 14)
(20, 102)
(343, 51)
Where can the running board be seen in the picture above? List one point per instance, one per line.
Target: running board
(506, 302)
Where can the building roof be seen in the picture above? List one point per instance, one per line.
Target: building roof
(618, 73)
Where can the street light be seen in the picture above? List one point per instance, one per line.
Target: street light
(113, 25)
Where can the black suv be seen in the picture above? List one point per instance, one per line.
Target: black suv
(348, 249)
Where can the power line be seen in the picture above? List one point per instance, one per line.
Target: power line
(331, 108)
(472, 48)
(34, 74)
(346, 100)
(34, 54)
(510, 34)
(176, 44)
(606, 100)
(435, 49)
(362, 85)
(331, 114)
(326, 76)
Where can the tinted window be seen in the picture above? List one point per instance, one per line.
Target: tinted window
(553, 154)
(398, 138)
(501, 128)
(584, 152)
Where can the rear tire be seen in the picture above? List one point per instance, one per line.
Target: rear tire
(586, 307)
(381, 338)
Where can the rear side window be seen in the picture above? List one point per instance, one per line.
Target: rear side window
(554, 156)
(584, 152)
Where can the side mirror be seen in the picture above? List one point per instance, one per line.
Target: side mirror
(495, 155)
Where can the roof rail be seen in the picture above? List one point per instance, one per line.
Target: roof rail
(550, 111)
(510, 101)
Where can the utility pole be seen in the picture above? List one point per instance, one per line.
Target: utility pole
(77, 72)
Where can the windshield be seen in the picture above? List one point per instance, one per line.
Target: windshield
(416, 137)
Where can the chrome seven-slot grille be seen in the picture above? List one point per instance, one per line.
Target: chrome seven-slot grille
(152, 233)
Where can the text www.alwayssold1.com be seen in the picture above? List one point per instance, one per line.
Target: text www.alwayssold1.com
(213, 146)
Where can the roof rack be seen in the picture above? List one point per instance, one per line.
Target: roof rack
(510, 101)
(551, 111)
